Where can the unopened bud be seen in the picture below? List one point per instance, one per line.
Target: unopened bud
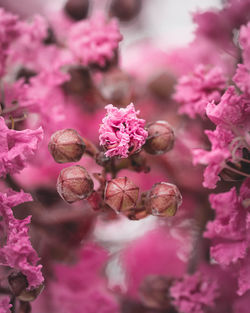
(77, 9)
(66, 145)
(121, 194)
(74, 184)
(19, 284)
(163, 200)
(160, 138)
(116, 87)
(154, 292)
(125, 10)
(162, 86)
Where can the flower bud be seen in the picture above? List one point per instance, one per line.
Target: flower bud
(19, 284)
(121, 194)
(154, 292)
(160, 138)
(66, 145)
(77, 9)
(162, 86)
(116, 87)
(125, 10)
(163, 200)
(74, 184)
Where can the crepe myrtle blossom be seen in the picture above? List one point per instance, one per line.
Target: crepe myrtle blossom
(194, 91)
(228, 141)
(122, 132)
(17, 252)
(229, 232)
(95, 40)
(9, 31)
(194, 293)
(17, 147)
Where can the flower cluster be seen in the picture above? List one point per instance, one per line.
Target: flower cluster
(196, 90)
(94, 41)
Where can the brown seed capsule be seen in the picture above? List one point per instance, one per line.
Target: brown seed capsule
(154, 292)
(18, 285)
(125, 10)
(163, 200)
(121, 194)
(77, 9)
(160, 138)
(74, 184)
(66, 145)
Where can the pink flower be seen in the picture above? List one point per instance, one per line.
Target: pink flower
(155, 253)
(8, 32)
(242, 79)
(81, 288)
(122, 132)
(94, 41)
(194, 91)
(215, 159)
(230, 111)
(17, 252)
(17, 147)
(230, 232)
(193, 294)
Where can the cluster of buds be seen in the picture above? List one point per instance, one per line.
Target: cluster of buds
(120, 193)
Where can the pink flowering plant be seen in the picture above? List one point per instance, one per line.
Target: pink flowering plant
(124, 170)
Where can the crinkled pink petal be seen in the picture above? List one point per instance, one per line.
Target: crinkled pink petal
(195, 293)
(9, 30)
(242, 78)
(17, 147)
(230, 110)
(193, 92)
(229, 252)
(17, 252)
(215, 159)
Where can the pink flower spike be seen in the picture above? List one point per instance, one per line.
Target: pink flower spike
(122, 132)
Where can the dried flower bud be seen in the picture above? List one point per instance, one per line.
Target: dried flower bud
(77, 9)
(19, 284)
(125, 10)
(121, 194)
(160, 137)
(163, 200)
(66, 145)
(154, 292)
(74, 184)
